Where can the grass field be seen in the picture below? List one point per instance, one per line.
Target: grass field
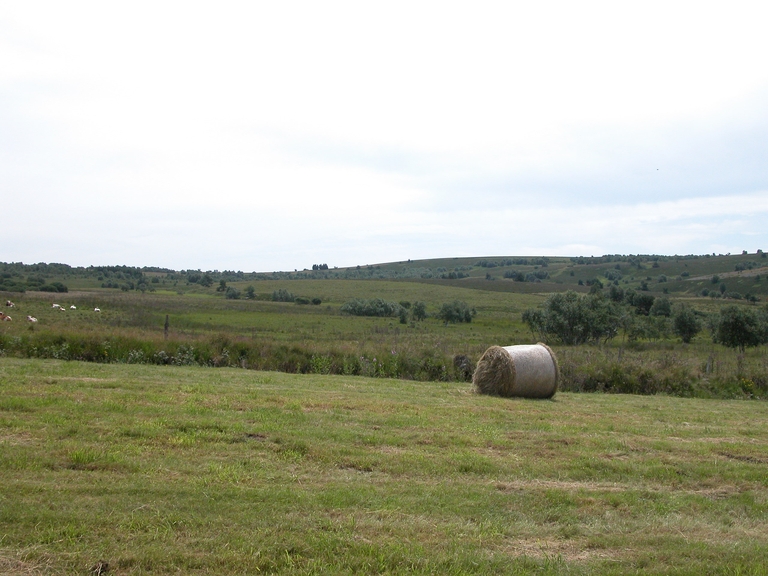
(190, 470)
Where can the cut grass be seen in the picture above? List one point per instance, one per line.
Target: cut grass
(199, 470)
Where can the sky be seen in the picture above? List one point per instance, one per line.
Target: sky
(270, 136)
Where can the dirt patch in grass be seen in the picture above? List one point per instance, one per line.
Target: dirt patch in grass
(561, 485)
(568, 550)
(745, 458)
(17, 439)
(10, 565)
(85, 379)
(715, 493)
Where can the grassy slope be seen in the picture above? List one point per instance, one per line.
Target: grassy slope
(194, 470)
(564, 274)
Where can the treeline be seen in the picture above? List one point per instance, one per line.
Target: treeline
(450, 312)
(638, 259)
(513, 262)
(517, 276)
(570, 318)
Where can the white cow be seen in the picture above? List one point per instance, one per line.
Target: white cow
(31, 319)
(55, 306)
(73, 307)
(97, 310)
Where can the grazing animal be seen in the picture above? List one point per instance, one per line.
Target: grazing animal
(97, 310)
(5, 317)
(9, 304)
(31, 319)
(55, 306)
(73, 307)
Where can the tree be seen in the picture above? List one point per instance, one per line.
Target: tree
(250, 293)
(643, 303)
(572, 318)
(282, 295)
(419, 311)
(685, 323)
(740, 327)
(661, 307)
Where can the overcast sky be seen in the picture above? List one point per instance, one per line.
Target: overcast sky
(263, 136)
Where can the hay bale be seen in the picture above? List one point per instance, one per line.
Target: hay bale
(528, 371)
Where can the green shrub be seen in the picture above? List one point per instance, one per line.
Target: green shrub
(282, 295)
(53, 287)
(740, 327)
(685, 323)
(374, 307)
(455, 312)
(572, 318)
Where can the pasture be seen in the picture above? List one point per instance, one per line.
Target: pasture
(194, 470)
(206, 328)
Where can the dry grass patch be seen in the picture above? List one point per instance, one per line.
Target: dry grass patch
(566, 550)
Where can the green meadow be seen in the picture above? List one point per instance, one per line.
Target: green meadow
(195, 425)
(201, 470)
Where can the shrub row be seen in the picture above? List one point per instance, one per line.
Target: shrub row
(222, 351)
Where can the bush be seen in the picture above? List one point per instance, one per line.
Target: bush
(571, 318)
(53, 287)
(685, 323)
(419, 311)
(661, 307)
(282, 295)
(455, 312)
(619, 378)
(641, 302)
(301, 300)
(374, 307)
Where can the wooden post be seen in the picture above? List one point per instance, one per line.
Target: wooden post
(165, 328)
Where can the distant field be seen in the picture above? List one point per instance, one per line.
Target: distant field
(193, 470)
(253, 331)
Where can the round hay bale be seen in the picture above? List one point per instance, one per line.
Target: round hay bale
(528, 371)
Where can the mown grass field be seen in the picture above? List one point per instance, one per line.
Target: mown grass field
(191, 470)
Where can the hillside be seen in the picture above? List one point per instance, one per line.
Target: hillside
(741, 275)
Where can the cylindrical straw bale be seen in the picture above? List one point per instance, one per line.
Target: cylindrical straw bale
(529, 371)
